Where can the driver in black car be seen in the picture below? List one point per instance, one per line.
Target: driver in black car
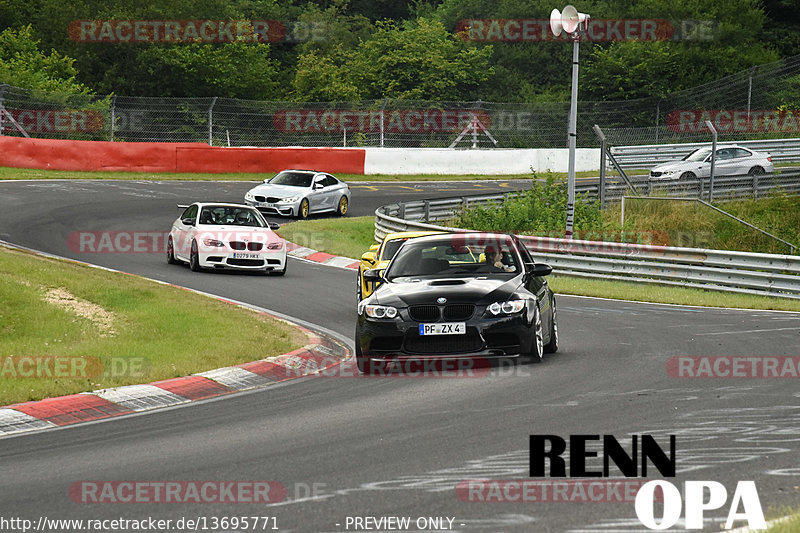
(494, 258)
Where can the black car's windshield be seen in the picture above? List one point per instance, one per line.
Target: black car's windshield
(698, 155)
(223, 215)
(293, 179)
(454, 256)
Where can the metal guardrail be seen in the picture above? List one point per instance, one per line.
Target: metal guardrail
(725, 187)
(730, 271)
(650, 155)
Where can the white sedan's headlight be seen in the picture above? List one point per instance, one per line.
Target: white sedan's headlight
(213, 242)
(291, 200)
(506, 308)
(249, 196)
(378, 311)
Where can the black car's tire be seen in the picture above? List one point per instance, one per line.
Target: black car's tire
(688, 176)
(756, 171)
(537, 348)
(302, 211)
(552, 346)
(171, 252)
(194, 258)
(343, 205)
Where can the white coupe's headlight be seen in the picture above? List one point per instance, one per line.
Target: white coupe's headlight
(213, 242)
(378, 311)
(291, 200)
(506, 308)
(249, 196)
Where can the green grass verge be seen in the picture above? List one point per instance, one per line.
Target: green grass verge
(351, 237)
(348, 236)
(688, 224)
(791, 525)
(8, 173)
(159, 332)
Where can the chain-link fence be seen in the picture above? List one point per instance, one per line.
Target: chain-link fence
(754, 104)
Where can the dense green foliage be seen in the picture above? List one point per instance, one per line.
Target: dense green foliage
(541, 210)
(376, 49)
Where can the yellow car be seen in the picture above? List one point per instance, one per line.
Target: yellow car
(379, 256)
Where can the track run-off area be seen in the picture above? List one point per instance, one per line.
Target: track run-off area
(350, 451)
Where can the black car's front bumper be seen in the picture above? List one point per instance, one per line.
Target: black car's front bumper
(486, 337)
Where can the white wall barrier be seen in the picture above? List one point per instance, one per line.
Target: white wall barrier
(493, 162)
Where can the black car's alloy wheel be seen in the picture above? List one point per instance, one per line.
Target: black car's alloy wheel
(537, 347)
(552, 345)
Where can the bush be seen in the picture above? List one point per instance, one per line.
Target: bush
(542, 210)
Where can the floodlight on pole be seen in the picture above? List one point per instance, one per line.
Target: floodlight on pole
(572, 22)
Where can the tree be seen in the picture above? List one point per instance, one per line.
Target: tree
(420, 60)
(24, 65)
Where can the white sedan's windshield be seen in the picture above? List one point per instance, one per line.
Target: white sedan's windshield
(293, 179)
(221, 215)
(698, 155)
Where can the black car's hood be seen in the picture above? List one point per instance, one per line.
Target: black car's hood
(402, 292)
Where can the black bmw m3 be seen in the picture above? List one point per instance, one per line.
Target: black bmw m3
(454, 296)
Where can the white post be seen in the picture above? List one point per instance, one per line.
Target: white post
(573, 128)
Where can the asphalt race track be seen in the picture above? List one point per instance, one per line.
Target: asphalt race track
(348, 447)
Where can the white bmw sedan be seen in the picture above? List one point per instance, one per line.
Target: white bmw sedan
(730, 161)
(215, 235)
(299, 193)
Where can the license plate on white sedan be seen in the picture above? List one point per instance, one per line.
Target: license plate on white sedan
(246, 256)
(452, 328)
(265, 204)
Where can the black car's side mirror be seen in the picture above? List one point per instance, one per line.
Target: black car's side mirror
(542, 269)
(538, 269)
(373, 274)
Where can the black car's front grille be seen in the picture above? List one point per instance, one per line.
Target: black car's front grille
(252, 246)
(443, 344)
(432, 313)
(458, 311)
(246, 262)
(424, 313)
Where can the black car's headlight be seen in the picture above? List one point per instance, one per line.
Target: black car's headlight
(377, 311)
(509, 307)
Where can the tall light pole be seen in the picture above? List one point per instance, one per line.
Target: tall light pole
(571, 22)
